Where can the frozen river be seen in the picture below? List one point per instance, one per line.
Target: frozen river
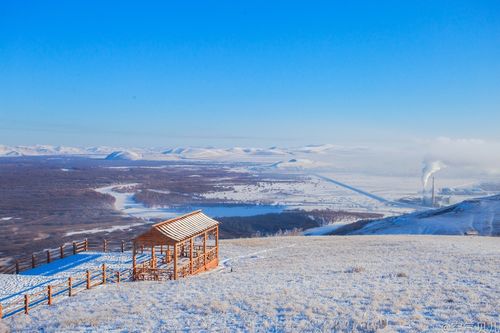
(125, 202)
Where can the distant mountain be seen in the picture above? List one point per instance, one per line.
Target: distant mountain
(196, 153)
(124, 155)
(271, 155)
(471, 217)
(40, 150)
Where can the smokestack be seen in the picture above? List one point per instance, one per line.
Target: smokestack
(433, 202)
(430, 168)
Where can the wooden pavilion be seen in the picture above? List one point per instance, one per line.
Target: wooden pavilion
(182, 246)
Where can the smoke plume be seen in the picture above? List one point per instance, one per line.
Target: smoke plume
(430, 168)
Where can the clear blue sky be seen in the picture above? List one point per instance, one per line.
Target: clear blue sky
(249, 73)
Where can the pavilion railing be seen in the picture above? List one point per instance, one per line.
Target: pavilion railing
(149, 270)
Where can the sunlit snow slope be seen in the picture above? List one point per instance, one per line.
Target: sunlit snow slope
(477, 216)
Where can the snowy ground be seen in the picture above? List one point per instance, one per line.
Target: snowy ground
(285, 284)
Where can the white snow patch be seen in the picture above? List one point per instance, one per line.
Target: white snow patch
(296, 164)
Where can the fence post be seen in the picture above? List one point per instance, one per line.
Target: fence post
(118, 277)
(88, 279)
(17, 266)
(49, 295)
(74, 247)
(123, 246)
(61, 250)
(33, 261)
(70, 287)
(86, 244)
(48, 256)
(103, 273)
(26, 304)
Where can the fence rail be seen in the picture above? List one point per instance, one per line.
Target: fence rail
(36, 259)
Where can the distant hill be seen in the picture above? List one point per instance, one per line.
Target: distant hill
(124, 155)
(471, 217)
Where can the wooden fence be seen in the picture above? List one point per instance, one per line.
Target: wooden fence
(36, 259)
(71, 287)
(146, 270)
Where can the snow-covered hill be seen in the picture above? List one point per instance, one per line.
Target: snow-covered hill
(126, 155)
(301, 284)
(477, 216)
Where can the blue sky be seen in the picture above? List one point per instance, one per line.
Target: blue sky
(247, 73)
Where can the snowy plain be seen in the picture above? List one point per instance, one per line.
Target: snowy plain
(284, 284)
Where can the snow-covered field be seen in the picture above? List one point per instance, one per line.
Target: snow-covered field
(312, 192)
(291, 284)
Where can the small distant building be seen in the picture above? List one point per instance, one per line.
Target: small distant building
(472, 232)
(182, 246)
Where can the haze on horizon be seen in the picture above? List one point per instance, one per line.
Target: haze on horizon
(255, 73)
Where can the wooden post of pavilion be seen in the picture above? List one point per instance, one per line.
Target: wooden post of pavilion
(153, 258)
(205, 250)
(217, 241)
(175, 261)
(191, 241)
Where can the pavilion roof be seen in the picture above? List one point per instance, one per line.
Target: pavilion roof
(181, 228)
